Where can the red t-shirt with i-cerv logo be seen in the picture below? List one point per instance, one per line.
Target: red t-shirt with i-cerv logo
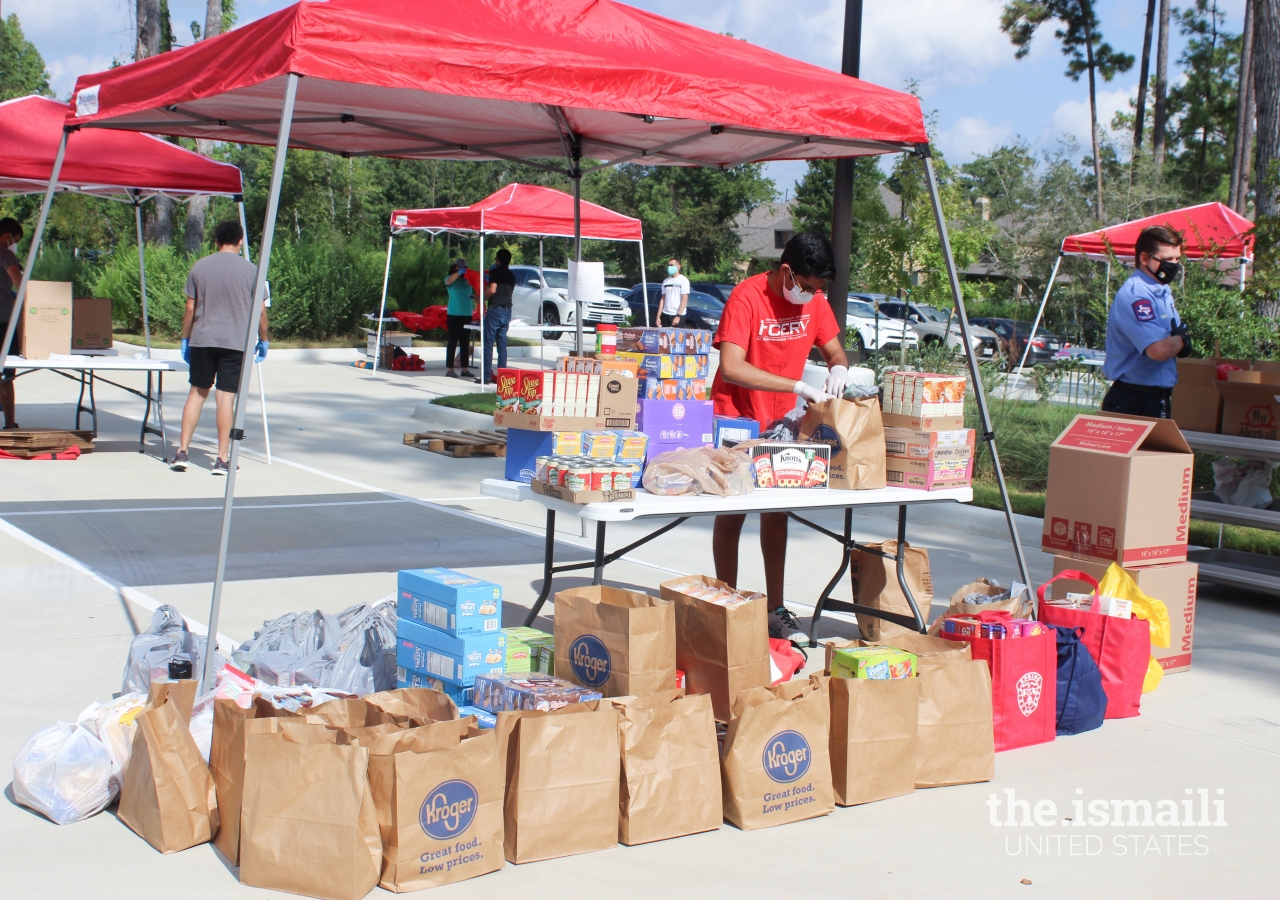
(777, 335)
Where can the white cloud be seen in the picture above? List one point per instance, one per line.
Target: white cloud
(971, 136)
(1072, 116)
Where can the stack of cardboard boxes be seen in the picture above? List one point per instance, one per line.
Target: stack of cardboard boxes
(927, 446)
(1120, 492)
(674, 407)
(1228, 396)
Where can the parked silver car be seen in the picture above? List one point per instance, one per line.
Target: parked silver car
(549, 304)
(935, 326)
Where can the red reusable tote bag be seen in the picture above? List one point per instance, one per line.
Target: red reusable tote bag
(1024, 684)
(1120, 647)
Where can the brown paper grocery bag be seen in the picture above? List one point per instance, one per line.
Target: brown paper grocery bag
(419, 706)
(181, 692)
(615, 641)
(876, 585)
(776, 764)
(854, 431)
(308, 824)
(721, 651)
(438, 791)
(562, 782)
(874, 738)
(1018, 607)
(168, 797)
(670, 767)
(956, 736)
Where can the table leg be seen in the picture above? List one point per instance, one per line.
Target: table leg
(93, 404)
(80, 400)
(831, 585)
(900, 557)
(164, 435)
(598, 575)
(548, 561)
(146, 417)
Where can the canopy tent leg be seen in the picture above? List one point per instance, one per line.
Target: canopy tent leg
(984, 416)
(576, 175)
(237, 431)
(244, 227)
(32, 253)
(1040, 312)
(1242, 265)
(484, 351)
(382, 306)
(262, 387)
(644, 285)
(142, 273)
(542, 319)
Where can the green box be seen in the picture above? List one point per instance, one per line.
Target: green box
(876, 663)
(523, 645)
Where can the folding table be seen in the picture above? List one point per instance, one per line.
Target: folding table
(683, 508)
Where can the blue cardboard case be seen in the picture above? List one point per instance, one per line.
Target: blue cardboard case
(408, 678)
(523, 448)
(453, 659)
(454, 602)
(729, 431)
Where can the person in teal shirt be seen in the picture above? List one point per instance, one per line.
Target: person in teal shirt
(461, 300)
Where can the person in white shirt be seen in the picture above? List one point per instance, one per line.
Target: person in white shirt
(675, 296)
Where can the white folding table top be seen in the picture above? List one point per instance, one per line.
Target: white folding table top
(648, 505)
(97, 363)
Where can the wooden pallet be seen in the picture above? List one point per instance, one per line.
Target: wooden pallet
(460, 443)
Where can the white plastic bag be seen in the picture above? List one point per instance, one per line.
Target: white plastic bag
(150, 652)
(113, 724)
(64, 773)
(724, 472)
(1248, 485)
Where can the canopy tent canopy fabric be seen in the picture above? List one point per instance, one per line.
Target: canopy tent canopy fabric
(116, 164)
(522, 209)
(521, 80)
(502, 79)
(1209, 229)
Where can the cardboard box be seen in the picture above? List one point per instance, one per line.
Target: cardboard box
(456, 603)
(878, 663)
(1119, 491)
(690, 422)
(1197, 403)
(524, 447)
(46, 319)
(668, 365)
(457, 660)
(411, 678)
(547, 490)
(903, 443)
(922, 422)
(91, 323)
(1174, 584)
(673, 388)
(727, 431)
(782, 464)
(1251, 404)
(929, 474)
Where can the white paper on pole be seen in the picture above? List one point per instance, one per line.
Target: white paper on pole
(586, 281)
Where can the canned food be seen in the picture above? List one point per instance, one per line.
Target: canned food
(540, 464)
(577, 477)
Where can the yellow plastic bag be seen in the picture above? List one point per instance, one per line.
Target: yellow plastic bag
(1116, 582)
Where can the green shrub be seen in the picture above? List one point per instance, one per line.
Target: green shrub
(322, 289)
(418, 270)
(167, 270)
(57, 262)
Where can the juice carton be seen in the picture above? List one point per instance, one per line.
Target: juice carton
(878, 663)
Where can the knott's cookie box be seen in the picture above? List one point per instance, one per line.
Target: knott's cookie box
(1119, 491)
(780, 464)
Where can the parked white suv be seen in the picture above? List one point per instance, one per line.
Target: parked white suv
(873, 330)
(549, 303)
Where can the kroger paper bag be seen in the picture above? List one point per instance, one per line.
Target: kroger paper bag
(874, 738)
(956, 735)
(876, 585)
(775, 766)
(562, 781)
(854, 431)
(308, 824)
(438, 792)
(670, 767)
(616, 641)
(168, 797)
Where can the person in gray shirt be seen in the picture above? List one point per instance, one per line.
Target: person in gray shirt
(10, 278)
(219, 304)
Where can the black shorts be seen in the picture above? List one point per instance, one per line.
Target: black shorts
(206, 362)
(667, 320)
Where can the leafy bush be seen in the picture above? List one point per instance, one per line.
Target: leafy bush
(418, 270)
(57, 262)
(322, 289)
(167, 270)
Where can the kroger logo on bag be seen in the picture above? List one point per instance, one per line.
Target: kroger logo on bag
(448, 810)
(825, 434)
(786, 756)
(589, 660)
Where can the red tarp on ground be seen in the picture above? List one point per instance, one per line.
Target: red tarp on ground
(502, 79)
(1210, 229)
(522, 209)
(100, 162)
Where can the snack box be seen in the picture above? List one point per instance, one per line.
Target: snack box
(484, 718)
(928, 474)
(665, 340)
(507, 384)
(673, 388)
(875, 663)
(727, 431)
(522, 648)
(454, 602)
(408, 678)
(903, 443)
(596, 445)
(497, 693)
(783, 464)
(453, 659)
(631, 446)
(668, 365)
(680, 679)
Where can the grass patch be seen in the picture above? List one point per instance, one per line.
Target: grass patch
(1025, 503)
(479, 402)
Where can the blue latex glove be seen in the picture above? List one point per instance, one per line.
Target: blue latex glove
(260, 352)
(186, 350)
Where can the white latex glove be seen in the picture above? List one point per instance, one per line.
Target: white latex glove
(811, 393)
(837, 380)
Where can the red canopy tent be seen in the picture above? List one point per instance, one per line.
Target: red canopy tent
(1212, 231)
(515, 209)
(115, 164)
(521, 80)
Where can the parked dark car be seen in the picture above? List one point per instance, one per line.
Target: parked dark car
(720, 291)
(1013, 341)
(702, 311)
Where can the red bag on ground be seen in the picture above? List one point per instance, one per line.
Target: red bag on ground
(1024, 683)
(72, 452)
(784, 660)
(1120, 647)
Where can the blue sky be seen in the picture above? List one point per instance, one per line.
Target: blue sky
(953, 49)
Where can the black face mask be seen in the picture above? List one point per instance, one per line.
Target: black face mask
(1167, 271)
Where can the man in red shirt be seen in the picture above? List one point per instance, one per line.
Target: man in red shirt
(769, 325)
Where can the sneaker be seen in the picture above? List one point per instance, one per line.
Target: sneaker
(451, 374)
(784, 624)
(220, 467)
(467, 373)
(180, 461)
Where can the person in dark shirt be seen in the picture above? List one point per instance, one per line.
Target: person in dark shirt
(10, 278)
(497, 313)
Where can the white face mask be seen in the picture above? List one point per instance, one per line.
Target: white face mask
(796, 294)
